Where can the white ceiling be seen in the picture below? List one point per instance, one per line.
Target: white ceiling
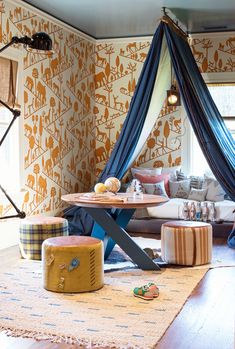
(126, 18)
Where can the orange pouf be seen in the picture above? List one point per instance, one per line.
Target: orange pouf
(34, 230)
(186, 242)
(73, 264)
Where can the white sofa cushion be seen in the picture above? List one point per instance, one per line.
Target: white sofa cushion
(197, 194)
(214, 190)
(172, 209)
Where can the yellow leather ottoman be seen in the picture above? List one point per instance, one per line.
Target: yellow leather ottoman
(186, 242)
(73, 264)
(34, 230)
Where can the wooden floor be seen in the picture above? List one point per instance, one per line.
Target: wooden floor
(206, 321)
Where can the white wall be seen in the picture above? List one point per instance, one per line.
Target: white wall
(9, 233)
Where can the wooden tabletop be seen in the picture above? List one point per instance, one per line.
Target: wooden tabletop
(130, 202)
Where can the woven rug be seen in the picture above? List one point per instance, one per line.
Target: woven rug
(110, 317)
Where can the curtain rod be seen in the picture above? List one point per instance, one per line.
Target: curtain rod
(167, 19)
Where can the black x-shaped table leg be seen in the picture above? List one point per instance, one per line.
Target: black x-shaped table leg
(114, 228)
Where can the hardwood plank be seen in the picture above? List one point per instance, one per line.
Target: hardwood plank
(207, 319)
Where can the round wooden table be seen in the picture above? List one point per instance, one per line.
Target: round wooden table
(112, 216)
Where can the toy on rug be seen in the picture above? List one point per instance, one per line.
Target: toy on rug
(146, 292)
(151, 252)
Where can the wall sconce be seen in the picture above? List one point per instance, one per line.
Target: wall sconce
(39, 43)
(173, 97)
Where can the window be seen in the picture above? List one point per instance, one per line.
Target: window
(9, 150)
(223, 95)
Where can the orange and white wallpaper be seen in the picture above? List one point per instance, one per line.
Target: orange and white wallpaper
(75, 103)
(214, 54)
(118, 66)
(57, 112)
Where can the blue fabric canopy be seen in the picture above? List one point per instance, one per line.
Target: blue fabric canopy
(213, 136)
(231, 238)
(132, 127)
(215, 140)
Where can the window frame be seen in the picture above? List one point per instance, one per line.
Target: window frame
(225, 117)
(224, 78)
(16, 54)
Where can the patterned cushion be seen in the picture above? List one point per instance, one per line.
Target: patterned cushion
(34, 230)
(155, 189)
(180, 189)
(214, 190)
(197, 194)
(72, 264)
(155, 179)
(186, 243)
(196, 182)
(180, 176)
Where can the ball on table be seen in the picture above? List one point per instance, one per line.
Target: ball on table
(100, 188)
(112, 184)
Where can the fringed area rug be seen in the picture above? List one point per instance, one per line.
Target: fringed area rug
(110, 317)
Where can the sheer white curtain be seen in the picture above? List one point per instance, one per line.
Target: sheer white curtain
(162, 84)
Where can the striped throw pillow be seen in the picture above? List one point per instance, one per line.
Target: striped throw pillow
(196, 182)
(180, 176)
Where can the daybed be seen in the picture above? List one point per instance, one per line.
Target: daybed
(150, 222)
(180, 189)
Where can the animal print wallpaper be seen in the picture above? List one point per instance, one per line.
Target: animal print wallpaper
(214, 54)
(75, 103)
(118, 66)
(57, 112)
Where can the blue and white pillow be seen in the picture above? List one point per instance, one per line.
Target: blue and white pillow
(155, 189)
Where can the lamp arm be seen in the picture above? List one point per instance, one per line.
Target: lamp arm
(20, 214)
(15, 40)
(16, 114)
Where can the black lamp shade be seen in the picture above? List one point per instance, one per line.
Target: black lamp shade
(41, 41)
(173, 97)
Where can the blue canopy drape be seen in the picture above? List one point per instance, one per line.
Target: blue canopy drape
(214, 138)
(231, 238)
(132, 127)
